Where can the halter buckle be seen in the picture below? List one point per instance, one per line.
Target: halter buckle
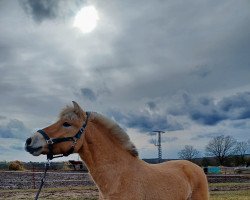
(81, 130)
(50, 141)
(74, 142)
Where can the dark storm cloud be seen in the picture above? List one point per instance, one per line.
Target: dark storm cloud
(88, 94)
(236, 106)
(151, 105)
(42, 9)
(207, 118)
(206, 111)
(46, 9)
(14, 129)
(202, 110)
(144, 121)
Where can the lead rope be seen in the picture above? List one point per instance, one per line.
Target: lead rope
(47, 164)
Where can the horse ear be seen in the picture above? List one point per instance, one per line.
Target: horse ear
(77, 108)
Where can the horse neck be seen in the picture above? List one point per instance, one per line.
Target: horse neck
(104, 156)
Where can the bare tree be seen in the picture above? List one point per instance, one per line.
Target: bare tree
(241, 150)
(221, 147)
(188, 153)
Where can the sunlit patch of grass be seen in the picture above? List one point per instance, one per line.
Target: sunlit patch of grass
(230, 195)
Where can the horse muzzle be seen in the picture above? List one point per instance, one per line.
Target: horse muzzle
(35, 144)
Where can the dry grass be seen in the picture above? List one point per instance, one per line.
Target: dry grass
(91, 193)
(70, 193)
(230, 191)
(230, 195)
(227, 184)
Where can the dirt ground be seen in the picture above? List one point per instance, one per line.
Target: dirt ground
(52, 193)
(58, 185)
(91, 193)
(74, 186)
(54, 179)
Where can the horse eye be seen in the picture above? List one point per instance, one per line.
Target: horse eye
(66, 124)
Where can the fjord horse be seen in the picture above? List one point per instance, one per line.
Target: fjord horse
(113, 162)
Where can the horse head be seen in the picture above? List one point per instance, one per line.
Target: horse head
(62, 137)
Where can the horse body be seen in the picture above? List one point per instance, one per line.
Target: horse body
(115, 167)
(132, 178)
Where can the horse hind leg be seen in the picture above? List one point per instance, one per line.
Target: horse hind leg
(200, 193)
(199, 196)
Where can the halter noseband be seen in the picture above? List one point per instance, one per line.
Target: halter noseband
(51, 141)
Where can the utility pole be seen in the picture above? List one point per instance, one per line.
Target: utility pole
(158, 144)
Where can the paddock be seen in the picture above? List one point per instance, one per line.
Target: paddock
(59, 179)
(78, 184)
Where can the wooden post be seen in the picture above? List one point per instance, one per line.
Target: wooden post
(33, 176)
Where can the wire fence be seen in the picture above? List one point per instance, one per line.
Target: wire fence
(30, 179)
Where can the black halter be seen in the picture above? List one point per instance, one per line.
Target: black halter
(51, 141)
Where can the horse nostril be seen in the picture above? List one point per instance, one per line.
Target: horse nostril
(28, 141)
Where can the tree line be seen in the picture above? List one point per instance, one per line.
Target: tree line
(225, 149)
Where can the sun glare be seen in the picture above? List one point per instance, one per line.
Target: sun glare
(86, 19)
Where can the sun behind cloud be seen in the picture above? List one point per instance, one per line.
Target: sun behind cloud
(86, 19)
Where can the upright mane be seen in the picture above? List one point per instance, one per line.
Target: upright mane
(116, 131)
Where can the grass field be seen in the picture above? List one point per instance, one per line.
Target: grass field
(91, 193)
(229, 186)
(230, 195)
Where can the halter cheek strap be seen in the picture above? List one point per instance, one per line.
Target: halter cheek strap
(51, 141)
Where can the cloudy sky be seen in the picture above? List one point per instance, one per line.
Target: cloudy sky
(178, 66)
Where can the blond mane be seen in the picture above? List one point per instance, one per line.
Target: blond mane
(114, 129)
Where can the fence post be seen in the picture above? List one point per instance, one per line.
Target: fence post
(33, 176)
